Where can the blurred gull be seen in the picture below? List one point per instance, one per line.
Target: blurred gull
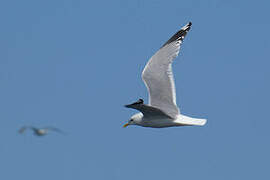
(157, 75)
(39, 131)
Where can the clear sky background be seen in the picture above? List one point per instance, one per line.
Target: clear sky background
(73, 64)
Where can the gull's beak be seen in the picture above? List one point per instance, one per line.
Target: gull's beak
(125, 125)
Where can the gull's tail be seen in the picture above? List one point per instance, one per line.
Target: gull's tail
(185, 120)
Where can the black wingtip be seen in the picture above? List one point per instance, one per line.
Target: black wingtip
(187, 27)
(140, 101)
(180, 35)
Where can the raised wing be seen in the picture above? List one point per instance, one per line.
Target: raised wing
(147, 110)
(23, 129)
(158, 76)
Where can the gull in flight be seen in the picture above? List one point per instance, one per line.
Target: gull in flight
(162, 110)
(39, 131)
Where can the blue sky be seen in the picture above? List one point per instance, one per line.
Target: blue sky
(74, 64)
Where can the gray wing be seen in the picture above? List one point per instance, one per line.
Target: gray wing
(54, 129)
(148, 111)
(22, 129)
(158, 76)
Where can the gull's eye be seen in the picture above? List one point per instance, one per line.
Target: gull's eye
(131, 120)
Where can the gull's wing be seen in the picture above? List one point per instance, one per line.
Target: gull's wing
(54, 129)
(22, 129)
(158, 76)
(147, 110)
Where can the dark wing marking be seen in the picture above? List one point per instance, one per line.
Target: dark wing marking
(147, 110)
(180, 35)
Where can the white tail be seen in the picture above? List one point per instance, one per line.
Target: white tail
(190, 121)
